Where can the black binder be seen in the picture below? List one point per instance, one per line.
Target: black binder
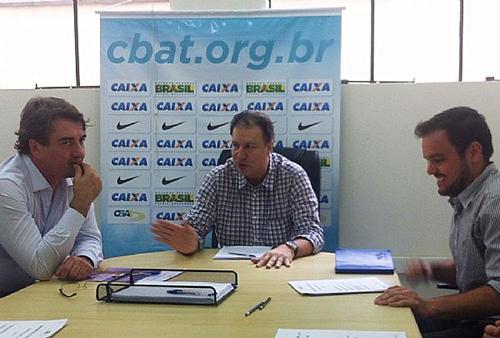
(188, 286)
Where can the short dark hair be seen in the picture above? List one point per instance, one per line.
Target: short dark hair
(250, 118)
(37, 118)
(463, 125)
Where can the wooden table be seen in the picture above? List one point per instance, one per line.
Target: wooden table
(90, 318)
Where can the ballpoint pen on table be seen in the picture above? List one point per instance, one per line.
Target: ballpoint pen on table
(242, 254)
(258, 306)
(182, 292)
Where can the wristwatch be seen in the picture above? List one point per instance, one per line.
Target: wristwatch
(292, 245)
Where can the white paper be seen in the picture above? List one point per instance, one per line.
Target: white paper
(241, 252)
(188, 292)
(294, 333)
(30, 328)
(339, 286)
(159, 279)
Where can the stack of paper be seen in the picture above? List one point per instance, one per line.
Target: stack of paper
(241, 252)
(31, 328)
(175, 292)
(294, 333)
(338, 286)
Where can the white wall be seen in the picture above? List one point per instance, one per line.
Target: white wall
(386, 198)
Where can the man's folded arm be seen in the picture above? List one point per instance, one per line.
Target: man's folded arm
(21, 238)
(88, 242)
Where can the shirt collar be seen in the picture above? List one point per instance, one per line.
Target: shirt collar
(463, 199)
(38, 181)
(268, 181)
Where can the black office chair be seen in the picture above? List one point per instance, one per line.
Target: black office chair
(307, 159)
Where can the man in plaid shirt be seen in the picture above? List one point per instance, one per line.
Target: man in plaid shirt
(256, 198)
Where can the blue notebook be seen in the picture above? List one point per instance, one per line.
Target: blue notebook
(367, 261)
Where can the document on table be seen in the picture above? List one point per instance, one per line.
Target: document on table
(294, 333)
(175, 292)
(241, 252)
(159, 278)
(108, 274)
(30, 328)
(338, 286)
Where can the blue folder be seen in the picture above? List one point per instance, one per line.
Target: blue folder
(366, 261)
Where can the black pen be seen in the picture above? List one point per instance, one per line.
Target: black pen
(181, 292)
(242, 254)
(258, 306)
(264, 303)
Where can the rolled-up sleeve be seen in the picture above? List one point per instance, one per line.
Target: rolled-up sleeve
(305, 212)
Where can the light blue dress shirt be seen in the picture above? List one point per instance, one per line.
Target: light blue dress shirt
(38, 229)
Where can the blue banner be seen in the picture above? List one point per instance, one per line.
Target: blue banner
(170, 84)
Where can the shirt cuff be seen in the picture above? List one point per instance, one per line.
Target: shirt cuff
(316, 247)
(495, 284)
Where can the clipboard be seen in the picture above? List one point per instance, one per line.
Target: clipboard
(183, 286)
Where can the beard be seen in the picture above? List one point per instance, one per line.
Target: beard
(462, 181)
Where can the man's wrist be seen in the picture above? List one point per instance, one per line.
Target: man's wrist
(87, 259)
(82, 208)
(293, 246)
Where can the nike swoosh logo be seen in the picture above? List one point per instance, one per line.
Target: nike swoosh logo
(121, 181)
(164, 181)
(307, 126)
(166, 126)
(215, 126)
(121, 126)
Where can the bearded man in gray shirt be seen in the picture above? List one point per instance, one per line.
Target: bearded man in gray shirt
(457, 147)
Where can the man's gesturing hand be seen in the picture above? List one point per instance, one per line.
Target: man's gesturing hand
(180, 237)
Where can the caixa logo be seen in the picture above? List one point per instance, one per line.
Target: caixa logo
(174, 162)
(129, 106)
(220, 88)
(209, 162)
(129, 143)
(174, 106)
(323, 199)
(174, 144)
(266, 106)
(216, 144)
(129, 87)
(129, 161)
(220, 107)
(129, 197)
(170, 216)
(129, 214)
(311, 144)
(311, 106)
(311, 87)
